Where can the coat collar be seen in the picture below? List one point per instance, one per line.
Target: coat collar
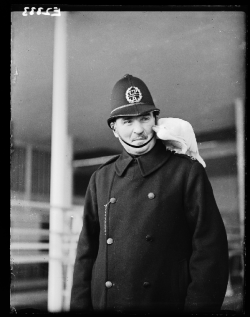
(148, 162)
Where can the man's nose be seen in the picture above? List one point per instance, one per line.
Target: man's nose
(138, 128)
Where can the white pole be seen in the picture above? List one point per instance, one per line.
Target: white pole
(69, 192)
(240, 116)
(59, 173)
(28, 172)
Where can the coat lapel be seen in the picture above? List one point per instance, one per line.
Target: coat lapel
(148, 162)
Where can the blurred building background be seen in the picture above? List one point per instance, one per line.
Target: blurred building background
(194, 66)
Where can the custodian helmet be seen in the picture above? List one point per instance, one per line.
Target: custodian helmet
(130, 97)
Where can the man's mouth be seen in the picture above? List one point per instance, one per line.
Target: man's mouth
(140, 139)
(139, 145)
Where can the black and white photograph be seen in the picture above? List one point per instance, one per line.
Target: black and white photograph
(127, 159)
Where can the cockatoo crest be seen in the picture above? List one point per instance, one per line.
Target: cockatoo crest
(178, 135)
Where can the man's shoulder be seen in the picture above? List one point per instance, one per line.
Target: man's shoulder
(109, 162)
(187, 163)
(187, 159)
(104, 170)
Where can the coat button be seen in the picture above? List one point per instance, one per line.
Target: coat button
(112, 200)
(108, 284)
(110, 241)
(149, 238)
(146, 284)
(151, 195)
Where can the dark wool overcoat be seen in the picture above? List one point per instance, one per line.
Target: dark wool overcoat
(152, 238)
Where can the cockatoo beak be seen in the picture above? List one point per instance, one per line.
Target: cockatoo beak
(155, 128)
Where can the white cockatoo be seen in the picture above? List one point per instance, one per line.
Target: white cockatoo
(178, 135)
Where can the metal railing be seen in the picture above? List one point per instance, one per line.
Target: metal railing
(29, 241)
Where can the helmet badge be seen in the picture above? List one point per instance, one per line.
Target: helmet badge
(133, 94)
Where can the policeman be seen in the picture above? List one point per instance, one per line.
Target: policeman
(153, 239)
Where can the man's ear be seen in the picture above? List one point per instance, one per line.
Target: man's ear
(113, 127)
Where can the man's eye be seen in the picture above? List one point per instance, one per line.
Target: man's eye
(127, 121)
(145, 118)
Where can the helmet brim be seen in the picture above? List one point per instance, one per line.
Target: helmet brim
(132, 110)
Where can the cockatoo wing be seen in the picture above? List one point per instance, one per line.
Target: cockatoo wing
(200, 159)
(178, 135)
(192, 144)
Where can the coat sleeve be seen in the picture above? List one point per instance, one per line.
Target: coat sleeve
(209, 264)
(86, 253)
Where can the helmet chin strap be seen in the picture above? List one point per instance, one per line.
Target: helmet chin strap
(138, 146)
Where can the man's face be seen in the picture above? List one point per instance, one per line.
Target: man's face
(135, 131)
